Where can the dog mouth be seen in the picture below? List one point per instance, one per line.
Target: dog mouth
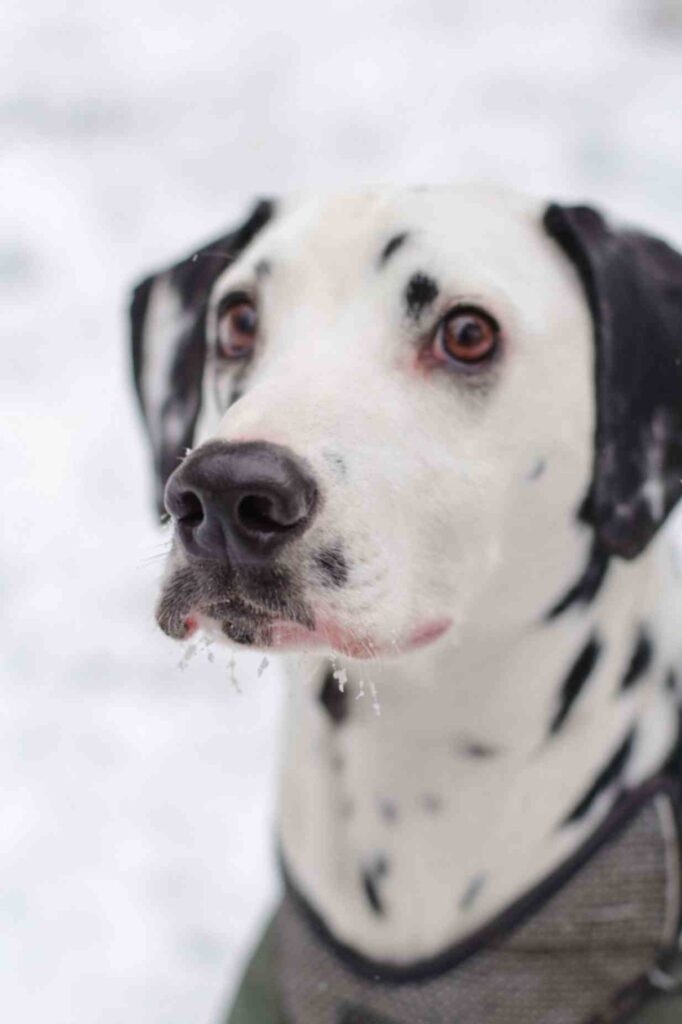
(244, 606)
(265, 610)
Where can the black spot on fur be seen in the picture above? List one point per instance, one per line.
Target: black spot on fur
(372, 876)
(337, 463)
(574, 682)
(392, 246)
(263, 268)
(671, 680)
(476, 749)
(607, 777)
(640, 661)
(431, 803)
(472, 892)
(537, 470)
(586, 588)
(388, 809)
(332, 565)
(334, 702)
(420, 293)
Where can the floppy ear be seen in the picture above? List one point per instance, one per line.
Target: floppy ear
(168, 320)
(634, 288)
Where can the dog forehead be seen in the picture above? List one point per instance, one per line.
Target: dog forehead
(458, 229)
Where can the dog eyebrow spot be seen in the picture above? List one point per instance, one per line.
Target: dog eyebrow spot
(392, 246)
(608, 776)
(263, 268)
(640, 661)
(332, 565)
(574, 682)
(419, 293)
(371, 877)
(333, 700)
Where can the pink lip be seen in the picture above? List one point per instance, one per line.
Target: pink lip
(287, 635)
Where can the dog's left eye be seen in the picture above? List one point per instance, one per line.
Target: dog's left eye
(466, 336)
(237, 330)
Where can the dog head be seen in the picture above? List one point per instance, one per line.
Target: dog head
(403, 406)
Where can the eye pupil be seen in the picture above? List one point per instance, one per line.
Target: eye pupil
(469, 332)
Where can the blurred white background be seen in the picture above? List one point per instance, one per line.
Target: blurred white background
(136, 812)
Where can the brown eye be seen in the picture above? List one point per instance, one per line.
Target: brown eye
(237, 331)
(466, 336)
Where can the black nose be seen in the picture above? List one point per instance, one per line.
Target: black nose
(240, 503)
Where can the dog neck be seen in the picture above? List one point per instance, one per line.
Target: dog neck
(421, 796)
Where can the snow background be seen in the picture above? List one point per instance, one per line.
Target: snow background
(137, 799)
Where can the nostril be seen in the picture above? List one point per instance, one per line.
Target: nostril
(256, 513)
(188, 509)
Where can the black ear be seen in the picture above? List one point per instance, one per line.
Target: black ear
(634, 288)
(168, 320)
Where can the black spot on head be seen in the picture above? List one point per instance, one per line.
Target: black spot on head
(392, 246)
(640, 660)
(263, 268)
(332, 566)
(472, 892)
(371, 877)
(334, 702)
(574, 682)
(607, 777)
(671, 680)
(419, 293)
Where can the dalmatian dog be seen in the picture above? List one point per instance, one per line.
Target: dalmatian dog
(424, 443)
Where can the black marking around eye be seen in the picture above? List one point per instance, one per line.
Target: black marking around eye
(472, 892)
(419, 294)
(574, 682)
(607, 777)
(371, 877)
(332, 565)
(586, 588)
(334, 702)
(640, 661)
(392, 246)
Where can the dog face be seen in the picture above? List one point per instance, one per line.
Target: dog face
(394, 400)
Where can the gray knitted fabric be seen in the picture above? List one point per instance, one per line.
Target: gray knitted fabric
(602, 931)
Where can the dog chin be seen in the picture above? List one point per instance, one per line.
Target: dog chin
(282, 635)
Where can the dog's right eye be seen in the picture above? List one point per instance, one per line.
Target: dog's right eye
(237, 329)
